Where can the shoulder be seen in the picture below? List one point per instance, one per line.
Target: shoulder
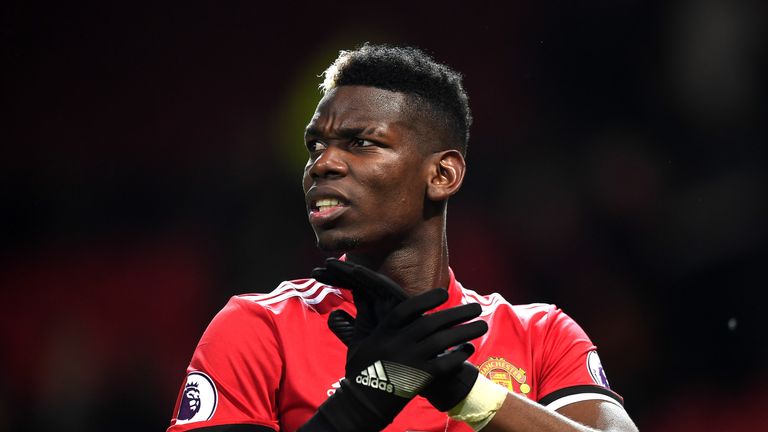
(308, 291)
(529, 315)
(254, 316)
(288, 296)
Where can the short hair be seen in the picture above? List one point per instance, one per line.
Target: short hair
(408, 70)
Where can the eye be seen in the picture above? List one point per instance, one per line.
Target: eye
(360, 142)
(315, 146)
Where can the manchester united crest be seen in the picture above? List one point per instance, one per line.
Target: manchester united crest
(504, 373)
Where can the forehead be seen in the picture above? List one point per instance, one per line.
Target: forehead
(361, 106)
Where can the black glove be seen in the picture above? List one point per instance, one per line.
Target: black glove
(443, 393)
(402, 354)
(375, 295)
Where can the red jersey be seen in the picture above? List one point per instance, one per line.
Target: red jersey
(270, 359)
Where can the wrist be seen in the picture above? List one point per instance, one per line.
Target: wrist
(481, 404)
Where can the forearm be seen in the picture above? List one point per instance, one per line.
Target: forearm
(520, 414)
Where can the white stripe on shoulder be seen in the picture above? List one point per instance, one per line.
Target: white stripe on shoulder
(567, 400)
(489, 302)
(311, 292)
(280, 289)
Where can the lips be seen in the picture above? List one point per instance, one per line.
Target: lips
(325, 216)
(325, 205)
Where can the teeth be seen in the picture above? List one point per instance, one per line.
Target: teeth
(327, 203)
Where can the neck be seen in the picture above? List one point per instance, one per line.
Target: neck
(417, 267)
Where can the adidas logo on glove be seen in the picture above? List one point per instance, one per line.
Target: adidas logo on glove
(375, 377)
(402, 380)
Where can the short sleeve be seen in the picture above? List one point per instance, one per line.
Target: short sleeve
(570, 369)
(234, 373)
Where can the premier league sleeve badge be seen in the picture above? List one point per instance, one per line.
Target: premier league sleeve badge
(596, 371)
(198, 399)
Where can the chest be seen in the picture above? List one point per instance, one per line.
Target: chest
(314, 364)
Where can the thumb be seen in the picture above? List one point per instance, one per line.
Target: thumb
(342, 325)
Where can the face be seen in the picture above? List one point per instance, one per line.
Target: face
(365, 179)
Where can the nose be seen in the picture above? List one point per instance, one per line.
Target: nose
(330, 164)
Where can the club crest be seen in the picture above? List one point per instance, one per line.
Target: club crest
(504, 373)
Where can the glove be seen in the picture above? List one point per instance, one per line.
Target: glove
(388, 367)
(443, 394)
(375, 295)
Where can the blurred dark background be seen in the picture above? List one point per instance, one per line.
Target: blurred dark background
(151, 162)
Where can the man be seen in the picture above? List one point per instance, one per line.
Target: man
(386, 151)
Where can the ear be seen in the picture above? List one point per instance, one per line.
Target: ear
(446, 174)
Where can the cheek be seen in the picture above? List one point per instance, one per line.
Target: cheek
(400, 191)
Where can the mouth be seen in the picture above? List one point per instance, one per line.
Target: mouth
(324, 204)
(325, 210)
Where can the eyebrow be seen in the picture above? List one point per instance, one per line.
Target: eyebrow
(350, 132)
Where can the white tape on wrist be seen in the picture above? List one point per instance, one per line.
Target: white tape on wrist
(481, 404)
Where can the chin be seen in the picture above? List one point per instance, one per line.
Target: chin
(330, 243)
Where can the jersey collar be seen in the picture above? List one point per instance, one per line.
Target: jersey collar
(454, 291)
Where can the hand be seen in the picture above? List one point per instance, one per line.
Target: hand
(375, 296)
(443, 393)
(406, 349)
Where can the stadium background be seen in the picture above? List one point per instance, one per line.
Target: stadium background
(151, 160)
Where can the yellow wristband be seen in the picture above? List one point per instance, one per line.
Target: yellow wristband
(481, 404)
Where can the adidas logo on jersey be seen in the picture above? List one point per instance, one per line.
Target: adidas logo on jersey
(375, 377)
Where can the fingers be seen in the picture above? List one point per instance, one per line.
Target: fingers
(410, 309)
(445, 339)
(466, 348)
(381, 285)
(342, 325)
(337, 273)
(460, 334)
(374, 295)
(331, 277)
(322, 274)
(431, 323)
(356, 277)
(452, 360)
